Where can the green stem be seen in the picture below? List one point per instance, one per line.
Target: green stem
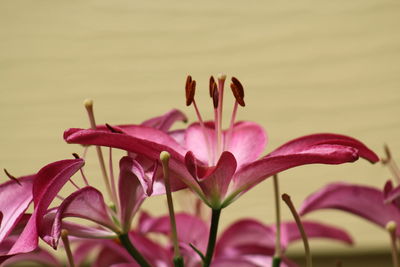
(126, 242)
(178, 262)
(212, 238)
(276, 261)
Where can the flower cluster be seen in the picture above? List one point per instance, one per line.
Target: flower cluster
(213, 164)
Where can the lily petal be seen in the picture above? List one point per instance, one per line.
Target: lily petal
(290, 232)
(164, 122)
(213, 181)
(247, 142)
(12, 211)
(48, 182)
(140, 146)
(191, 229)
(307, 141)
(131, 194)
(366, 202)
(76, 230)
(246, 235)
(391, 194)
(253, 173)
(86, 203)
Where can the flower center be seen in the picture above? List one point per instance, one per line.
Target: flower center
(216, 89)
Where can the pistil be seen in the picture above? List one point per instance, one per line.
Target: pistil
(67, 247)
(178, 260)
(289, 203)
(218, 122)
(89, 107)
(391, 227)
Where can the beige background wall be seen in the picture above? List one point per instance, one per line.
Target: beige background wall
(307, 66)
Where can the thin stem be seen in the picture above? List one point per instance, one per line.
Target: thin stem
(126, 242)
(278, 249)
(89, 108)
(84, 177)
(178, 260)
(67, 247)
(391, 228)
(296, 217)
(212, 237)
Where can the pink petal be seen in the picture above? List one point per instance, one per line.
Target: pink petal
(12, 211)
(164, 122)
(246, 236)
(86, 203)
(76, 230)
(200, 142)
(140, 146)
(391, 194)
(364, 201)
(48, 182)
(191, 229)
(304, 142)
(254, 173)
(232, 262)
(290, 232)
(247, 142)
(39, 256)
(213, 181)
(131, 194)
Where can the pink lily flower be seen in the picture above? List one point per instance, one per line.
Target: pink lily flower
(372, 204)
(88, 203)
(220, 165)
(246, 240)
(41, 188)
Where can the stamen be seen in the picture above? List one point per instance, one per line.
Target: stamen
(164, 157)
(213, 86)
(89, 107)
(67, 247)
(60, 197)
(391, 227)
(289, 203)
(238, 91)
(113, 129)
(394, 169)
(82, 174)
(190, 92)
(74, 184)
(190, 89)
(12, 177)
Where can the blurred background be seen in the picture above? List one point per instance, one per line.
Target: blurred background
(307, 67)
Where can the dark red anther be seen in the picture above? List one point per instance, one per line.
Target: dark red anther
(238, 91)
(213, 86)
(113, 129)
(12, 177)
(190, 89)
(215, 98)
(75, 155)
